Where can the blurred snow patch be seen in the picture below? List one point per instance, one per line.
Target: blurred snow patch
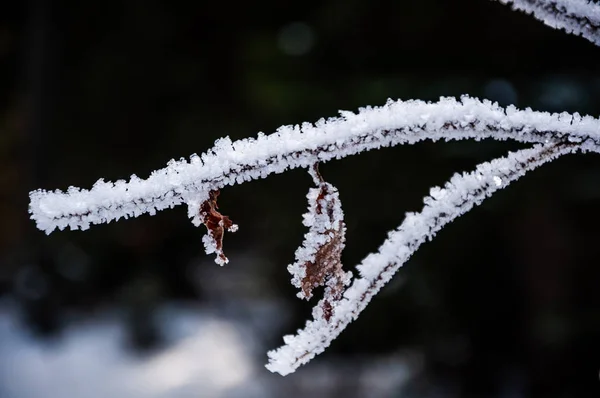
(207, 357)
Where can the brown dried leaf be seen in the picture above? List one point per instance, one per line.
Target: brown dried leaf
(318, 260)
(216, 224)
(327, 263)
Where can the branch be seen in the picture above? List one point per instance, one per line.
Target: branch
(457, 197)
(230, 163)
(578, 17)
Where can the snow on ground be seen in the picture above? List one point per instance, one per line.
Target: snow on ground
(208, 357)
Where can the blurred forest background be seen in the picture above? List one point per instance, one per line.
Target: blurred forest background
(503, 303)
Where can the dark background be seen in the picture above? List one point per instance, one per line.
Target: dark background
(504, 299)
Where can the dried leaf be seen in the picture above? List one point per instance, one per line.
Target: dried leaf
(318, 259)
(216, 225)
(327, 259)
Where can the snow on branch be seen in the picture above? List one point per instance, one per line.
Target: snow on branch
(443, 205)
(229, 163)
(578, 17)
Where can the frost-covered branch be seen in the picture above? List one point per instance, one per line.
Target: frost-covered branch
(443, 205)
(578, 17)
(229, 163)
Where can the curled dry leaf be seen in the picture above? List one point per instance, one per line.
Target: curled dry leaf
(216, 225)
(318, 259)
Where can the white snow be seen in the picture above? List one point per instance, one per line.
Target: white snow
(207, 356)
